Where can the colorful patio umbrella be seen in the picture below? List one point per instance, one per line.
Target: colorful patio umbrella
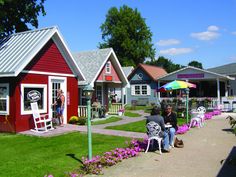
(175, 85)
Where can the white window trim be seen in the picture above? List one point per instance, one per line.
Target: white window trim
(44, 86)
(7, 99)
(108, 67)
(140, 86)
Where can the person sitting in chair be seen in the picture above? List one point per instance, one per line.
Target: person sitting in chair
(170, 119)
(97, 106)
(156, 117)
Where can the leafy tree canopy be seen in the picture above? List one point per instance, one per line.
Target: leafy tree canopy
(127, 33)
(16, 15)
(196, 64)
(165, 63)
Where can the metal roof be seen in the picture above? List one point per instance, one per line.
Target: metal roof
(228, 69)
(18, 49)
(198, 69)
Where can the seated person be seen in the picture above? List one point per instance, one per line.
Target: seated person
(170, 119)
(97, 105)
(156, 117)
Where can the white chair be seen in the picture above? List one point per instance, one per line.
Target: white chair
(153, 132)
(195, 119)
(41, 122)
(201, 113)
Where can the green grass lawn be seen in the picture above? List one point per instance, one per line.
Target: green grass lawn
(133, 127)
(28, 156)
(131, 114)
(109, 120)
(139, 126)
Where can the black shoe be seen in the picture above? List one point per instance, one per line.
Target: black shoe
(166, 150)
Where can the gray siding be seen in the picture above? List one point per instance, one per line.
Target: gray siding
(135, 79)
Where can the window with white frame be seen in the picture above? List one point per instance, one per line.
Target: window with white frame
(33, 93)
(108, 67)
(140, 89)
(4, 99)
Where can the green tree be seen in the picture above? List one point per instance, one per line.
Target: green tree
(165, 63)
(127, 33)
(196, 64)
(16, 15)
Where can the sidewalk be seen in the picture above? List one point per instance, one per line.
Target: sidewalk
(205, 150)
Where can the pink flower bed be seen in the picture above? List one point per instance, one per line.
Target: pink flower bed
(182, 129)
(208, 115)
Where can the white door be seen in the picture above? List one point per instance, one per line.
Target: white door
(56, 83)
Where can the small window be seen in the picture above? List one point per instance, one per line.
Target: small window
(142, 89)
(33, 93)
(108, 67)
(137, 90)
(4, 99)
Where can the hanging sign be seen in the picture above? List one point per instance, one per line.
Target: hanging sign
(34, 95)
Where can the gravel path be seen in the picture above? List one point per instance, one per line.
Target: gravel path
(205, 150)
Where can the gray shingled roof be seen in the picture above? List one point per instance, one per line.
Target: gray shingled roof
(15, 48)
(90, 62)
(227, 69)
(127, 70)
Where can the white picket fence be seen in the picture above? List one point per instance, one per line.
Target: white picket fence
(113, 109)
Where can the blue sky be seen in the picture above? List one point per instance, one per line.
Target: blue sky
(183, 30)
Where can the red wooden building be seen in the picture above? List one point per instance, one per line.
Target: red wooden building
(35, 61)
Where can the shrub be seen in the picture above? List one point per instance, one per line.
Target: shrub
(82, 121)
(73, 120)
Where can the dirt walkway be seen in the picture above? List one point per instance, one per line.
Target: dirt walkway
(202, 155)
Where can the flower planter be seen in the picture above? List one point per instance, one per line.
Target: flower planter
(120, 113)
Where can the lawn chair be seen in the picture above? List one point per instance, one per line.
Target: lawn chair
(41, 122)
(153, 132)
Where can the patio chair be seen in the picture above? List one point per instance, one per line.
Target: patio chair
(41, 122)
(153, 132)
(201, 113)
(196, 118)
(226, 106)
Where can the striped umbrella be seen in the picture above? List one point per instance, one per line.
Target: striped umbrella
(175, 85)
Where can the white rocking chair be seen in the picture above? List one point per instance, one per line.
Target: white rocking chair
(42, 123)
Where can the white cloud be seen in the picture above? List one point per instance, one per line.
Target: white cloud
(234, 32)
(232, 58)
(208, 35)
(175, 51)
(168, 42)
(212, 28)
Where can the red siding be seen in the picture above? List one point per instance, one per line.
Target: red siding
(25, 122)
(49, 59)
(18, 122)
(115, 77)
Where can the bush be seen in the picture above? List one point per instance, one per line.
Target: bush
(82, 121)
(73, 120)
